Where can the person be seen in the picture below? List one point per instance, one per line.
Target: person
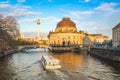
(115, 48)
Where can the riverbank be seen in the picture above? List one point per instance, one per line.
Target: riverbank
(18, 48)
(7, 52)
(109, 54)
(63, 49)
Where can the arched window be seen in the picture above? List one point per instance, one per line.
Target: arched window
(68, 37)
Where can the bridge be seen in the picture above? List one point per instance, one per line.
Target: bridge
(24, 47)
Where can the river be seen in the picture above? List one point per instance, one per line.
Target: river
(27, 66)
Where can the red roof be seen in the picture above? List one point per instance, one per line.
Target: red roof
(117, 26)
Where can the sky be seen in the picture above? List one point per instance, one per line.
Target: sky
(92, 16)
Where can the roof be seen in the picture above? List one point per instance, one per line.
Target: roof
(105, 36)
(50, 58)
(66, 25)
(95, 34)
(117, 26)
(66, 22)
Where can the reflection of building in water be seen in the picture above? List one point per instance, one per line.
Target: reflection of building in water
(66, 34)
(70, 61)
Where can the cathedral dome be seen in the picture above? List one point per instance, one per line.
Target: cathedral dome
(66, 25)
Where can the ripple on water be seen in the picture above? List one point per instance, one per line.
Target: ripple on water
(27, 66)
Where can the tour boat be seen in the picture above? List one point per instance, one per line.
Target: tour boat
(50, 63)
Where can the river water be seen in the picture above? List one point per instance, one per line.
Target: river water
(27, 66)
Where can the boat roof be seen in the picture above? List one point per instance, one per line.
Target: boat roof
(49, 57)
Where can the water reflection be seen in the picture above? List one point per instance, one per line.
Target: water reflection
(27, 66)
(70, 60)
(88, 65)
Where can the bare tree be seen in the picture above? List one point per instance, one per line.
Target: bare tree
(11, 26)
(9, 29)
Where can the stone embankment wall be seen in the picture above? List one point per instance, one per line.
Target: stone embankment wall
(109, 54)
(7, 52)
(60, 49)
(18, 49)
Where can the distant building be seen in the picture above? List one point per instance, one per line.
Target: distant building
(116, 35)
(86, 41)
(66, 34)
(21, 36)
(99, 38)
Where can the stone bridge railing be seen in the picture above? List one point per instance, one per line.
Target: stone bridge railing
(27, 47)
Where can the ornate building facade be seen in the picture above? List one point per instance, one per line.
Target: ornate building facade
(66, 34)
(116, 35)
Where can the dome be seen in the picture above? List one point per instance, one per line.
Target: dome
(66, 25)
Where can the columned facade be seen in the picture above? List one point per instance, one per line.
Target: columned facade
(66, 34)
(65, 39)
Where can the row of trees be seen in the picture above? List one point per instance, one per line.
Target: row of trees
(9, 29)
(25, 42)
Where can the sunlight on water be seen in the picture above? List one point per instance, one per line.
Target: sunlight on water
(70, 60)
(27, 66)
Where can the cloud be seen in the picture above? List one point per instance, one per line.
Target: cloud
(100, 19)
(47, 24)
(33, 34)
(21, 0)
(77, 14)
(86, 1)
(45, 20)
(16, 10)
(81, 12)
(4, 6)
(22, 13)
(28, 21)
(106, 6)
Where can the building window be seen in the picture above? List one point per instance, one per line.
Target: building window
(68, 37)
(71, 30)
(74, 37)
